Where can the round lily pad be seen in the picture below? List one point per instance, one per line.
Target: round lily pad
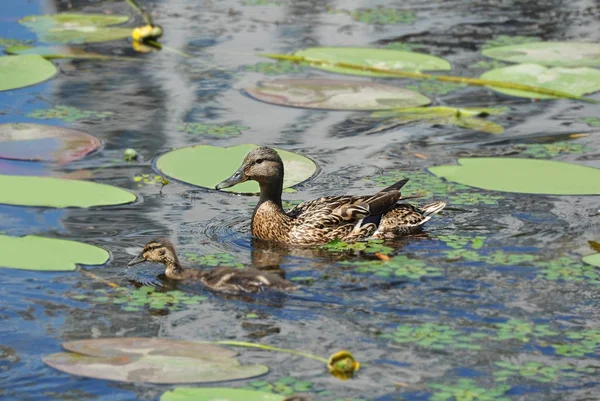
(77, 28)
(380, 58)
(593, 260)
(58, 192)
(576, 81)
(218, 394)
(20, 71)
(528, 176)
(151, 361)
(37, 142)
(329, 94)
(48, 254)
(206, 166)
(551, 54)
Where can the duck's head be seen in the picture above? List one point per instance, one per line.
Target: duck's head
(261, 164)
(159, 250)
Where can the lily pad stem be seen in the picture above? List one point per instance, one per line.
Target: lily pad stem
(98, 278)
(140, 10)
(161, 46)
(442, 78)
(268, 348)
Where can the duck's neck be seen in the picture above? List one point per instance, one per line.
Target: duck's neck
(271, 192)
(173, 269)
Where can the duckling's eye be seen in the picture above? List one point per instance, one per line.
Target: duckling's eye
(259, 161)
(162, 252)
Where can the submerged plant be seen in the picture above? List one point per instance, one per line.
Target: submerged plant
(432, 335)
(506, 40)
(398, 266)
(384, 16)
(467, 390)
(435, 87)
(213, 259)
(591, 121)
(277, 68)
(540, 372)
(212, 130)
(549, 150)
(68, 114)
(143, 297)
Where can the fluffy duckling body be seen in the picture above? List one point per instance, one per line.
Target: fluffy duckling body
(347, 218)
(223, 279)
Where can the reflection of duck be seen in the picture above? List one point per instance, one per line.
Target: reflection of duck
(347, 218)
(224, 279)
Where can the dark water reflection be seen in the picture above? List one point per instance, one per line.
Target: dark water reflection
(337, 306)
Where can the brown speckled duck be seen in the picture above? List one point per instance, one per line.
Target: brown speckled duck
(223, 279)
(347, 218)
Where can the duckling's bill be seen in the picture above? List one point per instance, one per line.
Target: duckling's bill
(137, 260)
(238, 177)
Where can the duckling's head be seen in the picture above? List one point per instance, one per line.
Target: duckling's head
(159, 250)
(261, 164)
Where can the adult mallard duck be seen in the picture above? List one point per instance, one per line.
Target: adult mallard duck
(223, 279)
(347, 218)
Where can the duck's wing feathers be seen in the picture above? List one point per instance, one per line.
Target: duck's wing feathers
(230, 279)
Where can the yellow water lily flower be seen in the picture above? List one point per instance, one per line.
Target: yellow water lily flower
(146, 32)
(342, 365)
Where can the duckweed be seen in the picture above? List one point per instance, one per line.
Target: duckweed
(398, 266)
(435, 87)
(514, 329)
(540, 372)
(384, 16)
(461, 242)
(474, 198)
(285, 386)
(432, 335)
(549, 150)
(68, 114)
(420, 183)
(506, 40)
(591, 121)
(212, 130)
(213, 259)
(487, 65)
(568, 269)
(585, 342)
(370, 246)
(467, 390)
(140, 298)
(278, 68)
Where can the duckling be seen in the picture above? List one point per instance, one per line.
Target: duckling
(224, 279)
(318, 221)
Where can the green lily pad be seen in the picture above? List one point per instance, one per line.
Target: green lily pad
(77, 28)
(52, 52)
(58, 192)
(576, 81)
(527, 176)
(20, 71)
(380, 58)
(48, 254)
(329, 94)
(593, 260)
(206, 166)
(36, 142)
(151, 360)
(551, 54)
(218, 394)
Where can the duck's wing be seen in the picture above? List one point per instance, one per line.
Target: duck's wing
(230, 279)
(336, 210)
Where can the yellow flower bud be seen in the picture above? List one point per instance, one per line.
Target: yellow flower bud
(342, 365)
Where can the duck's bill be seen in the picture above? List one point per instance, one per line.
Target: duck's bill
(138, 259)
(237, 178)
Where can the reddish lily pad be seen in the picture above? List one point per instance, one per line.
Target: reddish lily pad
(147, 360)
(330, 94)
(37, 142)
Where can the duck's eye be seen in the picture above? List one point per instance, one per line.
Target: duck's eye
(259, 161)
(162, 252)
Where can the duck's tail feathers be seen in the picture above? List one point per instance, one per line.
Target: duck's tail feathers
(396, 186)
(433, 208)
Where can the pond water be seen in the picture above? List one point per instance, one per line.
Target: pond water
(492, 298)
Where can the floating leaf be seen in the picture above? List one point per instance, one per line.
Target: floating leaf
(36, 142)
(332, 94)
(76, 28)
(380, 58)
(576, 81)
(20, 71)
(58, 192)
(68, 114)
(551, 54)
(593, 260)
(206, 166)
(151, 360)
(52, 52)
(466, 117)
(48, 254)
(527, 176)
(218, 394)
